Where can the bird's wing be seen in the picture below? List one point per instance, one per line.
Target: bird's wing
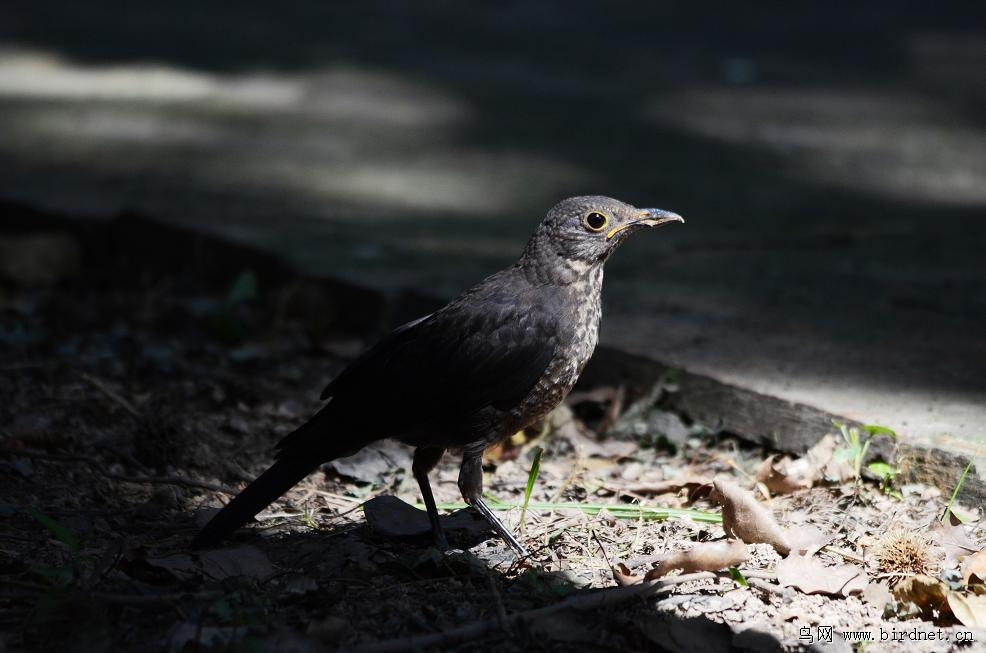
(370, 358)
(487, 351)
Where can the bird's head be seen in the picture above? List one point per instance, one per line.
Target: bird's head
(580, 233)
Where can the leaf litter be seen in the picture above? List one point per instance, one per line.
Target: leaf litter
(129, 414)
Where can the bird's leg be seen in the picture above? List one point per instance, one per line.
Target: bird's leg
(471, 486)
(425, 459)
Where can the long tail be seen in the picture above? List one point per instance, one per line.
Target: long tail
(278, 479)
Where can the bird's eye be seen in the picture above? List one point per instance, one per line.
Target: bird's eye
(595, 221)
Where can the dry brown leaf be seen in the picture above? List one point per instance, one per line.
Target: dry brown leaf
(811, 576)
(785, 475)
(829, 466)
(969, 610)
(806, 539)
(707, 556)
(974, 569)
(953, 537)
(624, 577)
(745, 518)
(777, 478)
(878, 594)
(927, 593)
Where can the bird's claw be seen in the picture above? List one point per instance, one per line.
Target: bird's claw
(498, 526)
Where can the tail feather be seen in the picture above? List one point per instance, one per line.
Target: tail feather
(278, 479)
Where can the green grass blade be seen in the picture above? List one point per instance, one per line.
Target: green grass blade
(532, 478)
(737, 576)
(955, 492)
(619, 511)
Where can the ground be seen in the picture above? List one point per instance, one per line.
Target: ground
(143, 390)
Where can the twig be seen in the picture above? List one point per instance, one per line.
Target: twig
(847, 555)
(767, 586)
(475, 630)
(602, 549)
(755, 573)
(111, 394)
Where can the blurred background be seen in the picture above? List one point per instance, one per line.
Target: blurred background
(830, 161)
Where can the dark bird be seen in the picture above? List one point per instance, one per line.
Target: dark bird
(491, 362)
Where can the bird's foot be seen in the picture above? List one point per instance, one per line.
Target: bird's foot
(498, 526)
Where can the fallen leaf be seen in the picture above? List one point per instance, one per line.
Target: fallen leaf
(392, 517)
(969, 610)
(806, 539)
(811, 576)
(878, 594)
(374, 463)
(974, 569)
(927, 593)
(238, 561)
(777, 478)
(707, 556)
(745, 518)
(831, 467)
(785, 475)
(954, 539)
(623, 576)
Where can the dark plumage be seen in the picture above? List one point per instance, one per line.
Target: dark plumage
(491, 362)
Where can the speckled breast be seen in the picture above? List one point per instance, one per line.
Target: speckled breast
(578, 333)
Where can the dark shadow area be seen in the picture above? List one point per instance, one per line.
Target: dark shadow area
(773, 130)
